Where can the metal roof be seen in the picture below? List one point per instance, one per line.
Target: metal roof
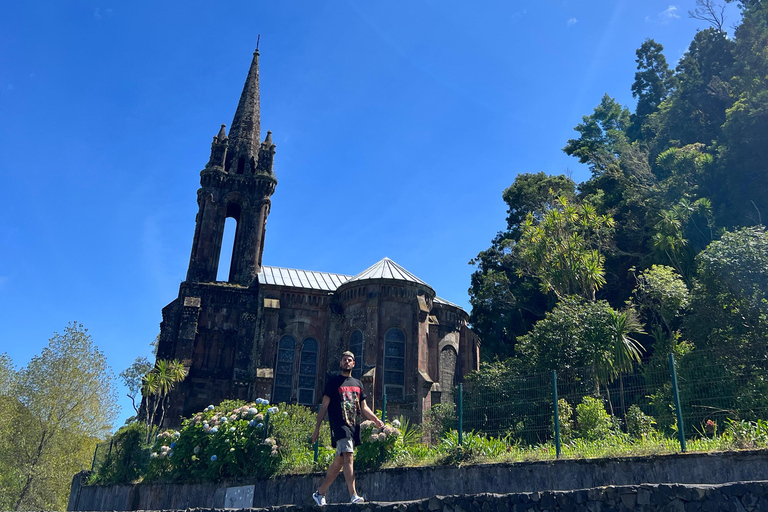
(327, 281)
(387, 269)
(440, 300)
(301, 278)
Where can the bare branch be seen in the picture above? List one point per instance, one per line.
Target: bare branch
(711, 12)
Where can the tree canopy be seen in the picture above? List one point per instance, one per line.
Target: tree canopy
(54, 412)
(665, 239)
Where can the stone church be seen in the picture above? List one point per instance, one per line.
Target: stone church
(276, 332)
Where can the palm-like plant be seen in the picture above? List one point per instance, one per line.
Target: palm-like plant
(626, 349)
(156, 385)
(169, 373)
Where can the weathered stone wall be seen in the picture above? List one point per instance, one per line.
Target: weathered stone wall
(736, 497)
(403, 484)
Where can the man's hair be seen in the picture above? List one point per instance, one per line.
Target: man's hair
(348, 353)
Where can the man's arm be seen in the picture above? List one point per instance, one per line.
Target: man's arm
(320, 416)
(370, 415)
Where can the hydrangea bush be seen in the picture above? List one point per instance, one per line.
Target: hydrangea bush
(377, 445)
(230, 440)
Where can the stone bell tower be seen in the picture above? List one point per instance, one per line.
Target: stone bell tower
(211, 326)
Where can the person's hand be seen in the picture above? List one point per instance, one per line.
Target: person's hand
(379, 423)
(315, 435)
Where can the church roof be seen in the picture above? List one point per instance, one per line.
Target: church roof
(301, 278)
(313, 280)
(387, 269)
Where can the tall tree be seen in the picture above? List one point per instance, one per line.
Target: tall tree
(602, 136)
(65, 401)
(653, 79)
(504, 304)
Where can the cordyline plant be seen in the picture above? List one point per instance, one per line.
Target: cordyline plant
(156, 385)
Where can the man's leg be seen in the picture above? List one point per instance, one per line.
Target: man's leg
(330, 476)
(349, 473)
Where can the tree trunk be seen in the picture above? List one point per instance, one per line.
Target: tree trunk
(608, 394)
(32, 466)
(164, 402)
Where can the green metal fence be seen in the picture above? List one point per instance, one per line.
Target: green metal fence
(698, 390)
(100, 453)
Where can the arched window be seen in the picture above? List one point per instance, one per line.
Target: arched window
(447, 372)
(286, 353)
(227, 264)
(308, 372)
(356, 347)
(394, 364)
(227, 248)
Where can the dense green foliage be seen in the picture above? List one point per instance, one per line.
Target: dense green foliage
(52, 413)
(667, 231)
(236, 439)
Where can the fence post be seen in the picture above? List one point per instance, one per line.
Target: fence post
(676, 395)
(317, 443)
(383, 418)
(266, 425)
(461, 414)
(557, 414)
(93, 462)
(384, 407)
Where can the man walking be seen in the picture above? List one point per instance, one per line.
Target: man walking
(344, 399)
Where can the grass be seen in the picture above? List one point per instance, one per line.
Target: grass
(479, 449)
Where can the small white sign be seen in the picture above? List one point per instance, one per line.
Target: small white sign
(239, 497)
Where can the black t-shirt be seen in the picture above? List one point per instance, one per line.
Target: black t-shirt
(345, 408)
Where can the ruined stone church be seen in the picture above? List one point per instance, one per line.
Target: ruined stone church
(276, 332)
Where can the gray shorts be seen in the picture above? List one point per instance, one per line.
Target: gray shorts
(345, 445)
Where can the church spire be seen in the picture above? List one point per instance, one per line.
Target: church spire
(244, 135)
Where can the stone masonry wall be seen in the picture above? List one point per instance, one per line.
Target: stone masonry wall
(733, 497)
(404, 484)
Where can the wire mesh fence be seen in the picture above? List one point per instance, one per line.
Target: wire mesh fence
(715, 386)
(100, 453)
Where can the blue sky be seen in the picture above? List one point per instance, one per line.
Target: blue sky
(398, 125)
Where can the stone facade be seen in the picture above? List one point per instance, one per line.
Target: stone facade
(277, 333)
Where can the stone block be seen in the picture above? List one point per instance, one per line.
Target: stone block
(629, 500)
(643, 496)
(749, 501)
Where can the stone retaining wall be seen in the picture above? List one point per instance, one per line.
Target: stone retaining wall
(404, 484)
(734, 497)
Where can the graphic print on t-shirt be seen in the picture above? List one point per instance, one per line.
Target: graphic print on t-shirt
(350, 404)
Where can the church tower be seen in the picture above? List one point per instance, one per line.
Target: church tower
(211, 326)
(236, 183)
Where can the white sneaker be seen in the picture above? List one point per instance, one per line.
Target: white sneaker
(319, 498)
(356, 499)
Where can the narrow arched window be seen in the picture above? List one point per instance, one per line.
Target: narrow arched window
(394, 364)
(308, 372)
(356, 347)
(286, 353)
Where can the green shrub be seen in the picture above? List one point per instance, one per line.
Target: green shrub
(639, 424)
(593, 422)
(127, 459)
(747, 434)
(565, 414)
(439, 421)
